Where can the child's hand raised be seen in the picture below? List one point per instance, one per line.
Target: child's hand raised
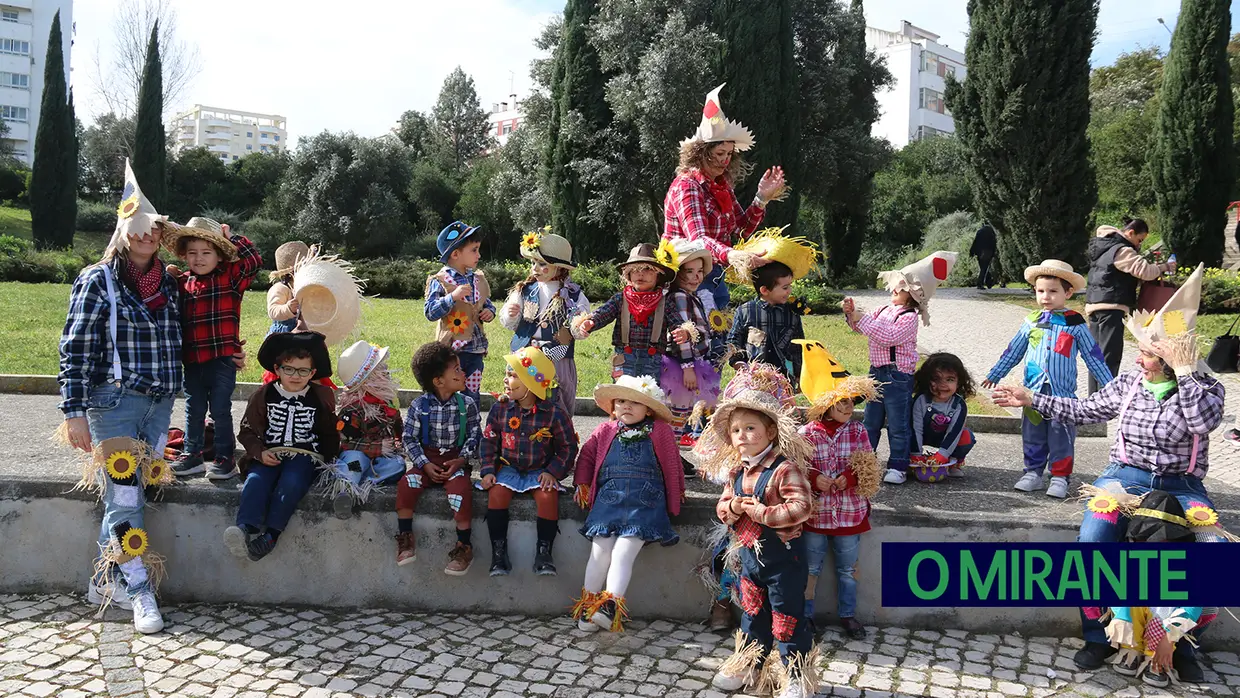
(849, 305)
(989, 384)
(487, 482)
(173, 270)
(460, 293)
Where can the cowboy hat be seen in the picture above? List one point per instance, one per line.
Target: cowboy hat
(548, 248)
(689, 250)
(1160, 518)
(358, 361)
(641, 389)
(202, 229)
(287, 257)
(277, 343)
(646, 253)
(1057, 269)
(715, 447)
(716, 128)
(534, 369)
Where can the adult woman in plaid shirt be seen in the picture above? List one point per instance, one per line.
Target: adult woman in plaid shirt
(1166, 412)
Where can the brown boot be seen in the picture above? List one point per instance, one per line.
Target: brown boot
(405, 545)
(720, 616)
(459, 559)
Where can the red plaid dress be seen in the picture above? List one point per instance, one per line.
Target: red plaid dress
(837, 513)
(211, 305)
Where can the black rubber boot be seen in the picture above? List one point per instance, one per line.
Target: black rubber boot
(544, 566)
(500, 566)
(1093, 655)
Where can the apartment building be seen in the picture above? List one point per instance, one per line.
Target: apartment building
(913, 107)
(24, 29)
(228, 133)
(505, 117)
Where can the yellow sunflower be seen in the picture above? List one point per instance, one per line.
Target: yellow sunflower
(159, 467)
(128, 207)
(134, 542)
(458, 322)
(718, 323)
(1201, 516)
(1103, 504)
(667, 255)
(121, 465)
(514, 422)
(531, 240)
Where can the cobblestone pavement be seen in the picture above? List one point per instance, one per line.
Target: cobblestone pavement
(55, 646)
(978, 325)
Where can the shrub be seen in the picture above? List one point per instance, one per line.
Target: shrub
(815, 291)
(1220, 289)
(952, 233)
(420, 247)
(12, 182)
(13, 246)
(219, 215)
(95, 217)
(18, 262)
(267, 235)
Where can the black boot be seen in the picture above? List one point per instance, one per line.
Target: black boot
(1186, 666)
(543, 564)
(500, 566)
(1093, 655)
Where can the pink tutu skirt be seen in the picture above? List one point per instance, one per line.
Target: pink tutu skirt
(672, 381)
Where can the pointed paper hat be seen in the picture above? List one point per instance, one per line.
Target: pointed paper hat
(1178, 316)
(716, 128)
(921, 279)
(134, 217)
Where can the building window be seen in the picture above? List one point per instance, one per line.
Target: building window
(18, 81)
(928, 132)
(15, 47)
(262, 136)
(932, 101)
(934, 63)
(234, 157)
(9, 15)
(277, 137)
(14, 113)
(507, 129)
(249, 147)
(264, 148)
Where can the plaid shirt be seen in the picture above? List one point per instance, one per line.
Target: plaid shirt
(1049, 342)
(836, 510)
(690, 211)
(148, 342)
(444, 426)
(789, 500)
(211, 304)
(1158, 436)
(639, 335)
(781, 324)
(892, 330)
(542, 440)
(688, 307)
(375, 437)
(439, 303)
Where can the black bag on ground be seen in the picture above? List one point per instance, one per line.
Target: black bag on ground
(1225, 354)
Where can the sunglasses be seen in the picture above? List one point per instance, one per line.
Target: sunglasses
(291, 371)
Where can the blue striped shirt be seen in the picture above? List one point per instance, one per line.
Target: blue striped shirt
(1049, 342)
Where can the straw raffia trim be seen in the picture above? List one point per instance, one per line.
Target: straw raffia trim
(584, 607)
(695, 335)
(719, 458)
(107, 572)
(850, 387)
(335, 484)
(768, 674)
(94, 475)
(1128, 503)
(316, 257)
(745, 656)
(801, 668)
(290, 451)
(869, 475)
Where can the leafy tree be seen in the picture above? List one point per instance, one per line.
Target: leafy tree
(1192, 161)
(1130, 83)
(102, 159)
(925, 180)
(519, 180)
(1023, 123)
(53, 140)
(150, 152)
(197, 180)
(417, 132)
(254, 179)
(480, 207)
(433, 195)
(459, 119)
(1123, 101)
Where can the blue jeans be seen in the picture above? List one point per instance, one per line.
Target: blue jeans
(210, 386)
(1098, 528)
(112, 411)
(639, 363)
(773, 595)
(847, 549)
(271, 492)
(893, 410)
(356, 466)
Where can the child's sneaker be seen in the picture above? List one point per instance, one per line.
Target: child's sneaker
(500, 564)
(188, 464)
(342, 505)
(687, 440)
(729, 682)
(794, 690)
(895, 477)
(1029, 482)
(460, 558)
(1155, 678)
(120, 595)
(221, 469)
(236, 541)
(690, 473)
(853, 628)
(585, 625)
(956, 470)
(1232, 436)
(1128, 665)
(260, 546)
(1058, 487)
(720, 616)
(406, 551)
(146, 616)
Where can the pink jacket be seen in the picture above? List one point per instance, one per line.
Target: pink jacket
(594, 451)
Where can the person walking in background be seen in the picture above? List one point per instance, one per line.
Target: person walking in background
(984, 247)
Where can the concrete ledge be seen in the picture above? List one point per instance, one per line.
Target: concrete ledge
(585, 407)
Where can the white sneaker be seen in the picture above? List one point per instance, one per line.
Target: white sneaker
(1029, 482)
(895, 477)
(793, 690)
(1058, 488)
(120, 599)
(955, 471)
(730, 682)
(235, 540)
(146, 617)
(585, 625)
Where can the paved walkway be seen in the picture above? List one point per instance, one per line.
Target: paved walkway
(978, 325)
(54, 646)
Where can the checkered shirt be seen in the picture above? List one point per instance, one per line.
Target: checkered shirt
(211, 304)
(445, 427)
(1158, 436)
(1049, 342)
(781, 324)
(149, 341)
(639, 334)
(439, 303)
(690, 211)
(682, 307)
(377, 436)
(836, 510)
(891, 327)
(527, 447)
(788, 503)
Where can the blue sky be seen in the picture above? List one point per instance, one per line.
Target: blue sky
(358, 65)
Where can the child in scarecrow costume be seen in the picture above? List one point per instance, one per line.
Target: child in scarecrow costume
(689, 377)
(541, 308)
(639, 311)
(941, 387)
(528, 445)
(458, 301)
(282, 307)
(766, 499)
(629, 477)
(369, 422)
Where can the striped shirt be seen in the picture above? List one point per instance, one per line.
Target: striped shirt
(837, 513)
(892, 331)
(1049, 341)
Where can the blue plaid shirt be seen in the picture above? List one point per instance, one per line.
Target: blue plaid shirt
(1049, 341)
(543, 439)
(149, 342)
(444, 427)
(439, 304)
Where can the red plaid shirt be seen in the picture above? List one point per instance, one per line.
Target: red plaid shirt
(787, 504)
(837, 513)
(211, 305)
(691, 211)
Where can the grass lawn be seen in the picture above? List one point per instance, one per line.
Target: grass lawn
(16, 222)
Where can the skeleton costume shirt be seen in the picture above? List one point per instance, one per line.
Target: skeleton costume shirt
(291, 419)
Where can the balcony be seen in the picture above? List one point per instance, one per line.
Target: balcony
(220, 148)
(218, 136)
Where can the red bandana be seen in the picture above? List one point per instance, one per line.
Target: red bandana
(641, 303)
(147, 283)
(725, 198)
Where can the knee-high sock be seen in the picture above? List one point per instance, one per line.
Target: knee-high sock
(622, 559)
(600, 561)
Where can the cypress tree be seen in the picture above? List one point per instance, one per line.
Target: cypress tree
(578, 112)
(1022, 119)
(758, 63)
(69, 148)
(48, 175)
(150, 150)
(1192, 160)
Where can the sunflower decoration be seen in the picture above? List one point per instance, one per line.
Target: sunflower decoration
(543, 434)
(531, 240)
(1104, 506)
(1201, 515)
(798, 305)
(1174, 324)
(458, 323)
(157, 472)
(667, 255)
(128, 207)
(514, 423)
(718, 323)
(121, 465)
(134, 542)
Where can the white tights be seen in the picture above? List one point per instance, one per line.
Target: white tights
(611, 560)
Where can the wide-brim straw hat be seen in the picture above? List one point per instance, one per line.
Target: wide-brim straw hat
(1177, 316)
(358, 362)
(1057, 269)
(548, 248)
(329, 294)
(202, 229)
(642, 389)
(850, 388)
(717, 128)
(277, 343)
(798, 254)
(645, 253)
(720, 457)
(287, 257)
(689, 250)
(534, 369)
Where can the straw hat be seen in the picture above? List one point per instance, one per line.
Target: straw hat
(329, 294)
(720, 457)
(798, 254)
(646, 253)
(547, 247)
(921, 279)
(535, 370)
(134, 217)
(277, 343)
(287, 257)
(203, 229)
(1178, 316)
(689, 250)
(641, 389)
(1057, 269)
(850, 388)
(716, 128)
(358, 361)
(763, 377)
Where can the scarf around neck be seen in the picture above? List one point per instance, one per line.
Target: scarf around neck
(642, 303)
(147, 283)
(722, 192)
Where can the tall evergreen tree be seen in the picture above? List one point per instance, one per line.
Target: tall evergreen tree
(49, 177)
(579, 115)
(1023, 121)
(69, 171)
(1192, 162)
(150, 152)
(758, 63)
(460, 123)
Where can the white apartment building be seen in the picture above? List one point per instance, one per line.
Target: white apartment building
(505, 117)
(913, 108)
(24, 29)
(228, 133)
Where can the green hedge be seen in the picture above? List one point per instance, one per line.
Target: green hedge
(20, 262)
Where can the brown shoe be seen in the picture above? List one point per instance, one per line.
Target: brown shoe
(459, 559)
(720, 616)
(405, 552)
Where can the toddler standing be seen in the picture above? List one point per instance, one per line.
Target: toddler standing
(688, 376)
(639, 311)
(282, 307)
(765, 327)
(458, 298)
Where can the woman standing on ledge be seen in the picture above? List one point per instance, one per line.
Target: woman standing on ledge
(1166, 411)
